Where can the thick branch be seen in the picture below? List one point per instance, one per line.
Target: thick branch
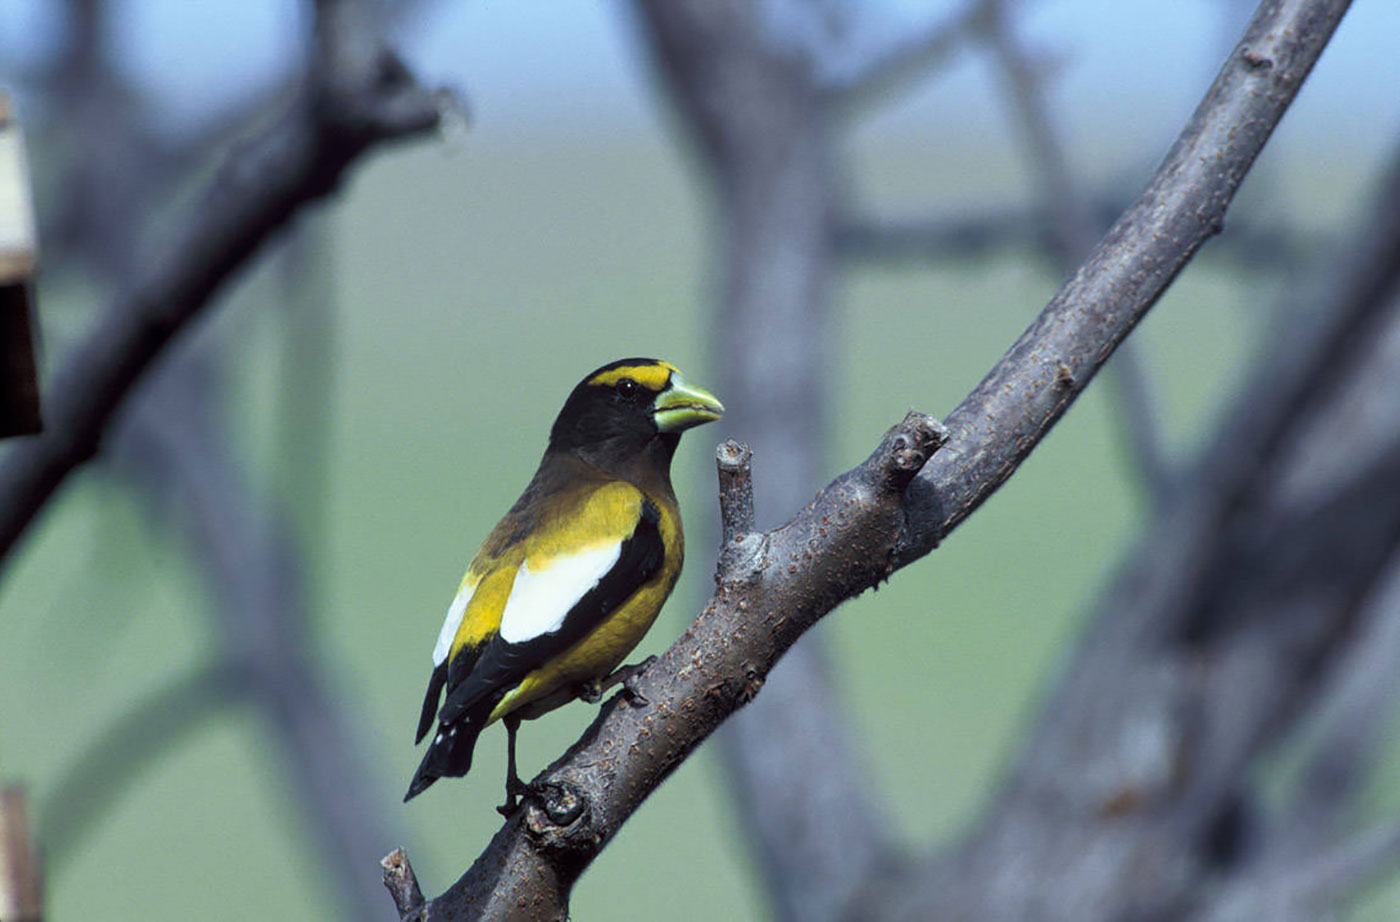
(838, 546)
(352, 102)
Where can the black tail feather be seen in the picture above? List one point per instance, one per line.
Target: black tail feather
(449, 755)
(430, 701)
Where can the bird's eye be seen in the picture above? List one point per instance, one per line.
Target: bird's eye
(627, 388)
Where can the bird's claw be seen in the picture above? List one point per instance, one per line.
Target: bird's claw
(517, 792)
(630, 675)
(591, 692)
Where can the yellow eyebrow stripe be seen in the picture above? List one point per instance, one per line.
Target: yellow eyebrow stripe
(649, 376)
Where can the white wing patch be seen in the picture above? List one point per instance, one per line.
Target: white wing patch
(452, 622)
(540, 599)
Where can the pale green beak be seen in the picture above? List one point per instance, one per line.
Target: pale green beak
(681, 406)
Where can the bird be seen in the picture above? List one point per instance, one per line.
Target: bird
(575, 573)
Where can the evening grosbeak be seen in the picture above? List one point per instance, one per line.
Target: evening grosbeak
(567, 583)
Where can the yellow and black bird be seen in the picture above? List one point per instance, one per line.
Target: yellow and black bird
(568, 582)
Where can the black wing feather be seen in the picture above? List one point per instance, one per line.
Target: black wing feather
(502, 665)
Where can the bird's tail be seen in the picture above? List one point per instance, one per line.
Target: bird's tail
(448, 755)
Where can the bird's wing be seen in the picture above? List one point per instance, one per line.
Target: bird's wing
(577, 571)
(474, 617)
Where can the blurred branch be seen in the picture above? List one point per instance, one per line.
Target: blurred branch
(893, 508)
(886, 73)
(1248, 244)
(21, 887)
(354, 95)
(1072, 231)
(1354, 709)
(97, 779)
(1301, 890)
(1072, 235)
(357, 95)
(174, 438)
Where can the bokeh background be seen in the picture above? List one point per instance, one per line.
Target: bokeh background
(460, 286)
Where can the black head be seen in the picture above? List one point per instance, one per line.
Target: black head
(621, 409)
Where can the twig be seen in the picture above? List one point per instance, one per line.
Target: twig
(354, 101)
(402, 883)
(21, 889)
(735, 462)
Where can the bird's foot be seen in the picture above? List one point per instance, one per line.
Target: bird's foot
(517, 792)
(591, 692)
(628, 676)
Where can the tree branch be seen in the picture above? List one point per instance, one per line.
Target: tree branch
(1354, 710)
(886, 72)
(735, 462)
(839, 545)
(353, 101)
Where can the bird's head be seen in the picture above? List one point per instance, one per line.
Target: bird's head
(629, 408)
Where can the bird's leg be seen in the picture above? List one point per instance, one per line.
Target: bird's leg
(591, 692)
(628, 676)
(514, 786)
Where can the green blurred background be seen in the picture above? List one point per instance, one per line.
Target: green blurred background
(475, 282)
